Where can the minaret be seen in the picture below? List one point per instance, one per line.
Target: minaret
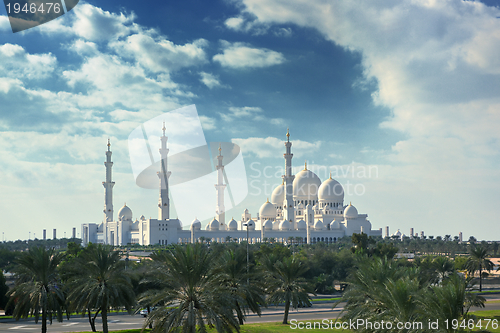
(164, 175)
(288, 210)
(108, 188)
(219, 187)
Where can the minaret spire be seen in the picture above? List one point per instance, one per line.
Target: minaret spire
(219, 188)
(164, 175)
(288, 210)
(108, 192)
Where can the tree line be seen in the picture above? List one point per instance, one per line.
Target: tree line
(199, 285)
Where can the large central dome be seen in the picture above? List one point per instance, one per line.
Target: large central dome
(306, 185)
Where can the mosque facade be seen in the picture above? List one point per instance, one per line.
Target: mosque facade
(302, 207)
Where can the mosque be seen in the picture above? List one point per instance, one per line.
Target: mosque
(302, 207)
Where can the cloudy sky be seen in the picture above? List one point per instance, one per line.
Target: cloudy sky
(399, 98)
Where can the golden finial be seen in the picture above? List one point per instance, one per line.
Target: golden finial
(109, 144)
(164, 128)
(267, 200)
(350, 203)
(220, 149)
(283, 181)
(305, 166)
(288, 133)
(330, 175)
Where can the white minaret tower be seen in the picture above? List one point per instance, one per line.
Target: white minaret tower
(288, 210)
(108, 188)
(164, 175)
(219, 187)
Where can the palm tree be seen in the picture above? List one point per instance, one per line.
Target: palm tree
(38, 287)
(478, 261)
(380, 290)
(287, 285)
(191, 293)
(443, 267)
(450, 301)
(98, 281)
(246, 287)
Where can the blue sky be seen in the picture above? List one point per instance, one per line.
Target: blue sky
(407, 88)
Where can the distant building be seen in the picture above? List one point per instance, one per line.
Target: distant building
(302, 206)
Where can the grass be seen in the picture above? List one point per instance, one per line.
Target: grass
(257, 328)
(326, 299)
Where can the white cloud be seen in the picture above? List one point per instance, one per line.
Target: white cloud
(161, 55)
(95, 24)
(4, 23)
(207, 123)
(211, 80)
(246, 25)
(234, 23)
(241, 55)
(16, 62)
(273, 147)
(248, 112)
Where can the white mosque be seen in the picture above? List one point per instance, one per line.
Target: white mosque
(302, 207)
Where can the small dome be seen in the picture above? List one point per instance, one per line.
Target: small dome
(246, 211)
(306, 185)
(251, 225)
(176, 224)
(278, 195)
(331, 191)
(214, 225)
(301, 225)
(196, 225)
(207, 227)
(397, 233)
(125, 213)
(233, 225)
(267, 211)
(142, 218)
(300, 206)
(316, 206)
(268, 225)
(276, 225)
(318, 225)
(285, 225)
(334, 225)
(351, 212)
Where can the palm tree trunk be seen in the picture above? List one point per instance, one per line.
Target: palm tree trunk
(287, 309)
(480, 278)
(44, 321)
(91, 321)
(105, 318)
(239, 313)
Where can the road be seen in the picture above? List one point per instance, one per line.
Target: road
(125, 321)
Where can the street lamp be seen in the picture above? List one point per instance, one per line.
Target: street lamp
(248, 260)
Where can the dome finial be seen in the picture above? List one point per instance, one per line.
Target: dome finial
(220, 149)
(164, 129)
(109, 144)
(330, 175)
(267, 200)
(288, 134)
(305, 165)
(350, 204)
(283, 181)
